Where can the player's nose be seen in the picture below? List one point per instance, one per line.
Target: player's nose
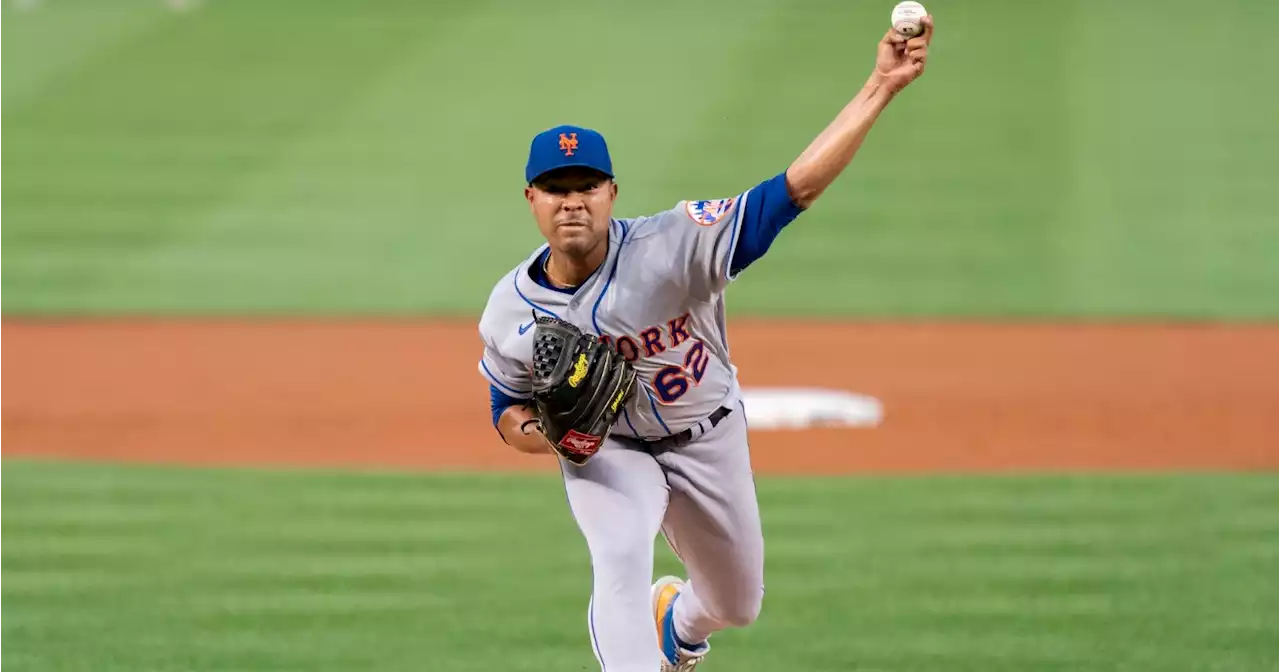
(573, 201)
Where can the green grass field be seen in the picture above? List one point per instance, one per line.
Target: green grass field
(132, 568)
(1070, 159)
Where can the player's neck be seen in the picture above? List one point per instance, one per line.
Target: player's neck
(563, 270)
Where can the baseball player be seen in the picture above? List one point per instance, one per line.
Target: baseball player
(607, 347)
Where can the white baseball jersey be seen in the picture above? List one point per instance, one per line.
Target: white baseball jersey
(658, 298)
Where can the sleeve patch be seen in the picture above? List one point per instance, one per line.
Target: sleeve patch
(709, 213)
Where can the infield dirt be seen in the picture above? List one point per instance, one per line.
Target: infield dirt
(387, 394)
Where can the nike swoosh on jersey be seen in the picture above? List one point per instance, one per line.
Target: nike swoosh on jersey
(525, 327)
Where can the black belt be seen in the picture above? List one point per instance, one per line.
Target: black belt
(659, 446)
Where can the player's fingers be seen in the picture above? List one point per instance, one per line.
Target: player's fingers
(893, 37)
(892, 52)
(917, 42)
(918, 55)
(927, 22)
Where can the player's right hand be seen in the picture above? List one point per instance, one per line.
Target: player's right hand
(900, 60)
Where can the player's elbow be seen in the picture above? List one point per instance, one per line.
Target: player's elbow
(802, 187)
(804, 201)
(804, 197)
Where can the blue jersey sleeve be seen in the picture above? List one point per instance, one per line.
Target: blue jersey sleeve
(499, 402)
(769, 208)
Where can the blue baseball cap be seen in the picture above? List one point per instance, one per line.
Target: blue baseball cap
(565, 146)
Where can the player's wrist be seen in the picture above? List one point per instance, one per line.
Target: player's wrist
(877, 89)
(533, 440)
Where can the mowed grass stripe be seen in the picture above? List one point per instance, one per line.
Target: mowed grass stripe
(247, 158)
(229, 569)
(142, 495)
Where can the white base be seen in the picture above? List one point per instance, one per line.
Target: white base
(803, 407)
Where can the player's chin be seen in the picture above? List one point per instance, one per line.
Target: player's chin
(576, 239)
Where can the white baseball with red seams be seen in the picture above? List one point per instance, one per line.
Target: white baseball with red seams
(906, 18)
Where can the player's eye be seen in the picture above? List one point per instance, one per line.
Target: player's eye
(563, 189)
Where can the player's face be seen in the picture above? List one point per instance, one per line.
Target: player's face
(572, 207)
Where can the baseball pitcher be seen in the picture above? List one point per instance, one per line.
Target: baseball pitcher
(608, 348)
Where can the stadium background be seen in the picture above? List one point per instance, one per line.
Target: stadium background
(259, 233)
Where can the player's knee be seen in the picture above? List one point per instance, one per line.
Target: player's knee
(744, 610)
(743, 616)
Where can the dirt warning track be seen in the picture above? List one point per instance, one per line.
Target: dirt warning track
(956, 397)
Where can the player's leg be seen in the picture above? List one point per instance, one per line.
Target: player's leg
(713, 524)
(618, 499)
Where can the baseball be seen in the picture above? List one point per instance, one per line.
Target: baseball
(906, 18)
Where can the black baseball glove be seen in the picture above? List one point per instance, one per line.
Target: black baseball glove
(580, 384)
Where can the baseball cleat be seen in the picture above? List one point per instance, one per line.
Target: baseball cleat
(677, 656)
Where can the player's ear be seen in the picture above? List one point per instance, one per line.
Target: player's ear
(529, 194)
(613, 190)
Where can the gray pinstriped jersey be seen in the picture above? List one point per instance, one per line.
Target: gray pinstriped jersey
(658, 297)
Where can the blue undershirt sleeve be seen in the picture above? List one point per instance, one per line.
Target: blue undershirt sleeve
(769, 208)
(499, 402)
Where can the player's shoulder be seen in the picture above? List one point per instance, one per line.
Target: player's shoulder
(505, 305)
(686, 216)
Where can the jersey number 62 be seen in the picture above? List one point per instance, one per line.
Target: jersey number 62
(672, 382)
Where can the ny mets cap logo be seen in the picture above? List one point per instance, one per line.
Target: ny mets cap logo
(568, 143)
(708, 213)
